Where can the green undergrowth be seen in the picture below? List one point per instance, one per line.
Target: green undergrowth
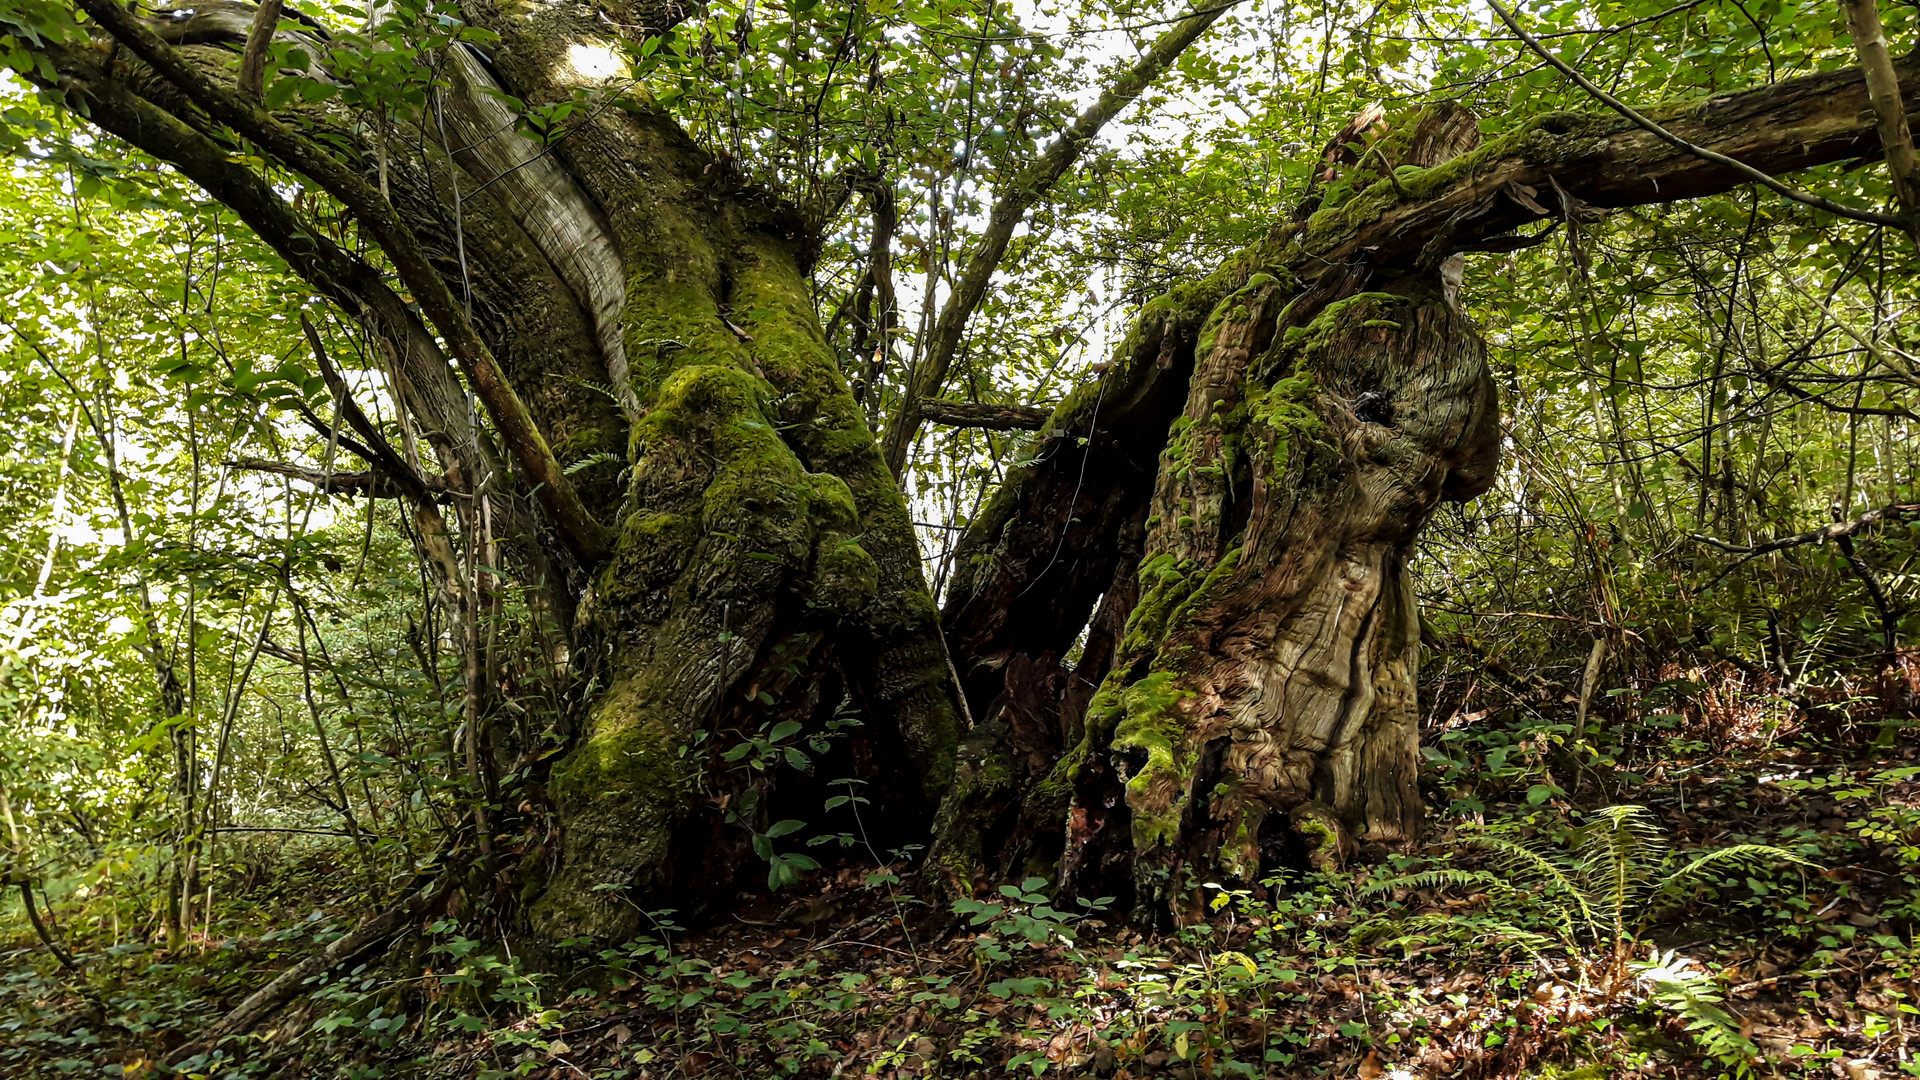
(1747, 912)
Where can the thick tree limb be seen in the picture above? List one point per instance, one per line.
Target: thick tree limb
(1758, 176)
(585, 538)
(1603, 162)
(974, 414)
(1024, 191)
(342, 278)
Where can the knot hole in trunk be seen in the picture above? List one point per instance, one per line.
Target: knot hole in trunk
(1373, 407)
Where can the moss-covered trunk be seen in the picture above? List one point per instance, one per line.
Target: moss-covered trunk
(1255, 640)
(1256, 645)
(731, 559)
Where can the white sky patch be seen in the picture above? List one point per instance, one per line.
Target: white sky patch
(594, 63)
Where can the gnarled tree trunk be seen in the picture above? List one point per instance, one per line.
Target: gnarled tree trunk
(753, 562)
(1316, 397)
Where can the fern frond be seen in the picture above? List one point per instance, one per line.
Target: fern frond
(1739, 856)
(1530, 866)
(1435, 879)
(603, 389)
(600, 458)
(1421, 930)
(1624, 850)
(1694, 998)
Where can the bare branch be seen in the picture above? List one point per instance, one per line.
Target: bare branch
(973, 414)
(1021, 193)
(372, 483)
(1866, 522)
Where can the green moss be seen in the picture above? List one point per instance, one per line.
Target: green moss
(629, 750)
(1158, 791)
(828, 432)
(832, 502)
(845, 578)
(1338, 318)
(672, 317)
(1164, 583)
(1556, 138)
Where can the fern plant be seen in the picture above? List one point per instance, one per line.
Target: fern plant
(1688, 992)
(1596, 894)
(1604, 887)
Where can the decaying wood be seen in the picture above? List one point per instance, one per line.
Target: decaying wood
(295, 980)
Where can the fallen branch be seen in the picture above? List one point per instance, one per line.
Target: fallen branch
(293, 982)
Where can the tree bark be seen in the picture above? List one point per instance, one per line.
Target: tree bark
(1265, 671)
(974, 414)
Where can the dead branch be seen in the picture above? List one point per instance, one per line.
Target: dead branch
(973, 414)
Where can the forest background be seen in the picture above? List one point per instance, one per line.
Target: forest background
(238, 726)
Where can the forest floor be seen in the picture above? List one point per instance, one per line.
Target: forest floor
(1491, 953)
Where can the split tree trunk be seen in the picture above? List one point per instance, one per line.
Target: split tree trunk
(1270, 638)
(1255, 650)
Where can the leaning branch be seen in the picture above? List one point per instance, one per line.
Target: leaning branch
(1024, 191)
(253, 62)
(1605, 162)
(369, 483)
(1764, 179)
(1883, 89)
(585, 537)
